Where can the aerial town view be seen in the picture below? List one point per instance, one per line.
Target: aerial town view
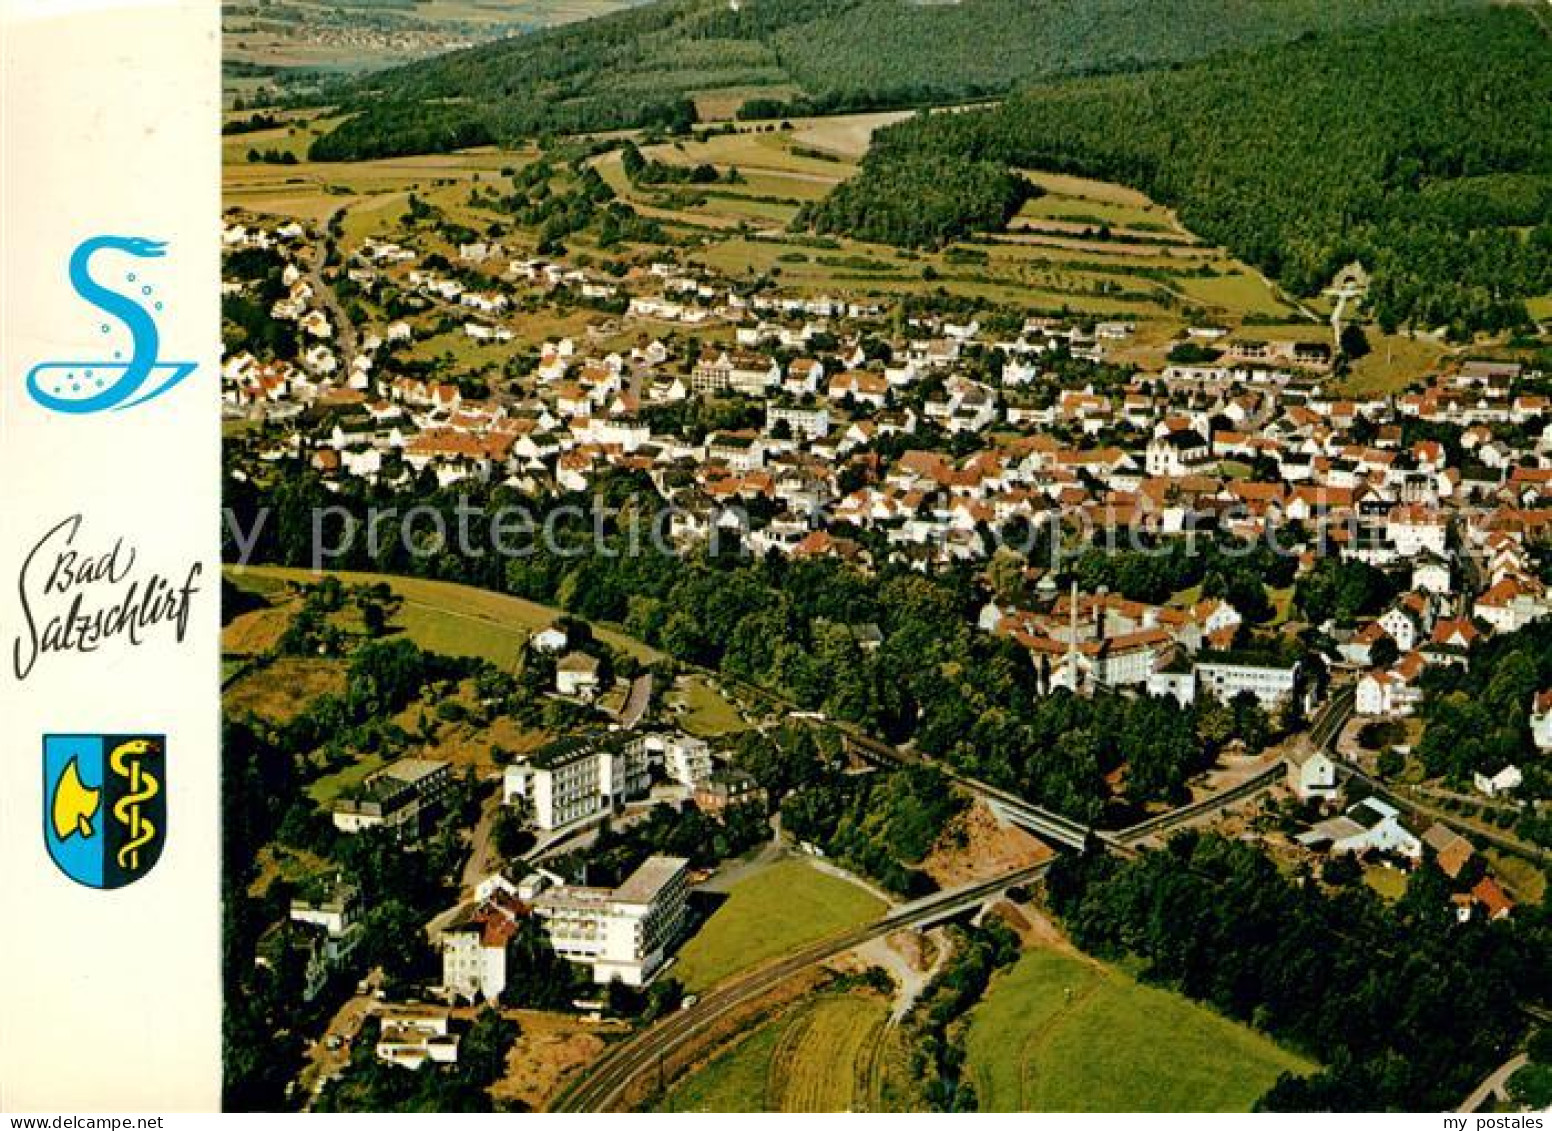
(887, 555)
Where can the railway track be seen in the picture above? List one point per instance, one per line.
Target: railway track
(606, 1085)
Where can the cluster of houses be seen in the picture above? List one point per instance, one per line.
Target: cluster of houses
(914, 442)
(984, 430)
(1266, 447)
(1086, 642)
(1372, 828)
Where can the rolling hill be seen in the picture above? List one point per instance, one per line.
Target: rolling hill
(1420, 149)
(646, 66)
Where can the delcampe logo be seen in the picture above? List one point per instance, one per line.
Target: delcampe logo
(104, 805)
(96, 384)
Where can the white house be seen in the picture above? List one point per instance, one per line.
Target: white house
(413, 1034)
(1431, 574)
(1376, 694)
(1177, 453)
(1541, 720)
(1416, 529)
(476, 948)
(1403, 625)
(685, 759)
(549, 640)
(576, 675)
(1512, 603)
(1312, 774)
(1392, 692)
(1359, 648)
(1370, 825)
(1506, 780)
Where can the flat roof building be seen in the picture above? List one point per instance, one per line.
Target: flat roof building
(625, 932)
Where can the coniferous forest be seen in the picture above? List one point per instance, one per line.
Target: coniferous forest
(638, 67)
(1423, 150)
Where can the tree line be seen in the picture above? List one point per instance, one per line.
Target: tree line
(1411, 148)
(640, 68)
(1405, 1008)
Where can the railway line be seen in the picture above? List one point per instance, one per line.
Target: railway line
(607, 1085)
(610, 1080)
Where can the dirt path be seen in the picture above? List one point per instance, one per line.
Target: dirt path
(740, 870)
(910, 978)
(324, 1062)
(481, 851)
(1036, 1040)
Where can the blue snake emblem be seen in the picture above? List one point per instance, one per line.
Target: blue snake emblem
(80, 387)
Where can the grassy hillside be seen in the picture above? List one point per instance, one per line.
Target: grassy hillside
(1060, 1032)
(769, 914)
(1416, 148)
(645, 66)
(815, 1058)
(444, 617)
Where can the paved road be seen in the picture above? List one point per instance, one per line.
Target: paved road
(1494, 1085)
(344, 328)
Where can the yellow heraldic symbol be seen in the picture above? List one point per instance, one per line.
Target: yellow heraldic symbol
(104, 805)
(143, 786)
(75, 804)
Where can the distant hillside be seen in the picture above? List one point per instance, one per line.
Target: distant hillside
(1423, 149)
(640, 67)
(296, 43)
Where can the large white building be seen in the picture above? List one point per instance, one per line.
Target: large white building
(625, 932)
(395, 797)
(572, 779)
(686, 760)
(1224, 677)
(808, 423)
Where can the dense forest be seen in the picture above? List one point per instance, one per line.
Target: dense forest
(1479, 716)
(948, 199)
(1419, 149)
(640, 67)
(1405, 1007)
(263, 774)
(881, 825)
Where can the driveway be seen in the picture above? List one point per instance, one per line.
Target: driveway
(1495, 1085)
